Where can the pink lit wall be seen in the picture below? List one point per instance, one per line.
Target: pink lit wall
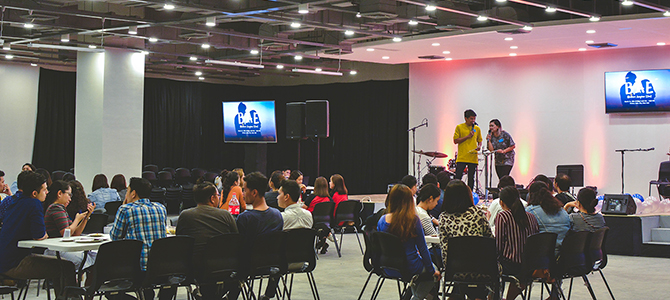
(554, 108)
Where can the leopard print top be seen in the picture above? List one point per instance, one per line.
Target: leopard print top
(472, 222)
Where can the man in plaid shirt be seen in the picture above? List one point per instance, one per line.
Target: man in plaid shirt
(139, 218)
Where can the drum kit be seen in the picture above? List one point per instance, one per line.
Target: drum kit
(432, 155)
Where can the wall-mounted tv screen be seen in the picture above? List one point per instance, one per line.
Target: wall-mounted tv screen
(249, 122)
(637, 91)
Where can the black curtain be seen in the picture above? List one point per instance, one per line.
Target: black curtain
(54, 133)
(368, 140)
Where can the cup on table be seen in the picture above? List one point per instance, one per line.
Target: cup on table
(66, 233)
(107, 229)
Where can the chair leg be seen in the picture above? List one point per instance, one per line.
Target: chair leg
(337, 247)
(588, 286)
(378, 287)
(359, 240)
(570, 290)
(400, 294)
(312, 285)
(606, 284)
(364, 286)
(341, 236)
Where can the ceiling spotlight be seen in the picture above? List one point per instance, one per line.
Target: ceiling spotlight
(348, 32)
(297, 57)
(509, 39)
(65, 38)
(482, 18)
(168, 6)
(590, 31)
(527, 28)
(385, 57)
(205, 46)
(358, 15)
(550, 9)
(33, 65)
(201, 78)
(370, 49)
(501, 1)
(211, 21)
(594, 19)
(144, 52)
(132, 30)
(7, 47)
(627, 2)
(446, 52)
(303, 8)
(193, 58)
(253, 51)
(9, 56)
(430, 7)
(295, 25)
(413, 22)
(153, 39)
(448, 58)
(353, 72)
(318, 69)
(512, 54)
(92, 46)
(435, 44)
(589, 42)
(397, 39)
(582, 49)
(666, 14)
(660, 44)
(28, 25)
(514, 47)
(198, 73)
(280, 67)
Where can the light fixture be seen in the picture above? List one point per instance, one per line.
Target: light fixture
(205, 46)
(385, 57)
(512, 54)
(9, 56)
(353, 72)
(280, 67)
(482, 18)
(28, 25)
(358, 14)
(201, 78)
(7, 46)
(431, 7)
(446, 52)
(153, 39)
(33, 64)
(253, 51)
(298, 57)
(92, 46)
(168, 6)
(582, 49)
(527, 28)
(413, 22)
(370, 49)
(509, 39)
(435, 44)
(65, 38)
(448, 58)
(315, 72)
(590, 31)
(348, 32)
(234, 63)
(198, 73)
(397, 39)
(295, 24)
(318, 69)
(211, 21)
(132, 30)
(193, 58)
(514, 47)
(594, 18)
(303, 8)
(589, 42)
(144, 52)
(550, 9)
(660, 44)
(501, 1)
(666, 13)
(627, 2)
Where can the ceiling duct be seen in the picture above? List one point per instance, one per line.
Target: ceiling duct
(378, 9)
(504, 12)
(190, 34)
(39, 17)
(445, 18)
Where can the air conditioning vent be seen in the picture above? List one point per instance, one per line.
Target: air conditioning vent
(431, 57)
(603, 45)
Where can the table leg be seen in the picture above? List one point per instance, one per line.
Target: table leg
(62, 277)
(81, 268)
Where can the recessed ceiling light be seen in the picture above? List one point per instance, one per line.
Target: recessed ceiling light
(132, 30)
(9, 56)
(211, 21)
(349, 32)
(370, 49)
(448, 58)
(198, 73)
(385, 57)
(413, 22)
(303, 8)
(430, 7)
(297, 57)
(397, 39)
(280, 67)
(33, 65)
(509, 39)
(92, 46)
(590, 31)
(660, 44)
(482, 18)
(168, 6)
(358, 15)
(594, 19)
(527, 28)
(550, 9)
(446, 52)
(201, 78)
(627, 2)
(589, 42)
(666, 14)
(353, 72)
(193, 58)
(514, 47)
(512, 54)
(153, 39)
(582, 49)
(29, 25)
(501, 1)
(65, 38)
(318, 69)
(435, 44)
(295, 25)
(253, 51)
(205, 46)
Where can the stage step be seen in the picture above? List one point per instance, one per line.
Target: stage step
(658, 243)
(660, 235)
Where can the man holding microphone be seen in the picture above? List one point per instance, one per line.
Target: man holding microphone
(468, 136)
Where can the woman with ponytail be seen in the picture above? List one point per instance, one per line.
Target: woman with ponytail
(231, 186)
(513, 226)
(548, 211)
(586, 219)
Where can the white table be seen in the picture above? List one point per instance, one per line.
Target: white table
(56, 244)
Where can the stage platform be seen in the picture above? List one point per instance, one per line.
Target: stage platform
(639, 235)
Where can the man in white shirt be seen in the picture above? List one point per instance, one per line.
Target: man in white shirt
(294, 215)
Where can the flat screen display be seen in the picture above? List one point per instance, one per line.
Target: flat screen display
(637, 91)
(249, 122)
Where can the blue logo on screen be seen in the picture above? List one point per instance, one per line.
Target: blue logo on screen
(642, 94)
(247, 125)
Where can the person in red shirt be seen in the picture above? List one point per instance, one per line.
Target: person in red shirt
(339, 189)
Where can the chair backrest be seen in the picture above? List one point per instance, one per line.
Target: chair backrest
(391, 254)
(196, 173)
(152, 168)
(268, 251)
(149, 175)
(300, 247)
(348, 211)
(210, 176)
(594, 248)
(572, 256)
(172, 171)
(323, 212)
(187, 196)
(472, 254)
(220, 258)
(96, 223)
(664, 171)
(57, 175)
(157, 195)
(117, 264)
(170, 260)
(538, 253)
(182, 176)
(111, 207)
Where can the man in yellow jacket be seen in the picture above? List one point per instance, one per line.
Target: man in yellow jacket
(468, 136)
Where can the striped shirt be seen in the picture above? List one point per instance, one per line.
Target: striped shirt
(141, 220)
(510, 238)
(56, 219)
(426, 221)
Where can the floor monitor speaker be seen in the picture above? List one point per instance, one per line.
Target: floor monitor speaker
(295, 120)
(317, 116)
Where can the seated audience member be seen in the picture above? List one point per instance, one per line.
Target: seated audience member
(297, 176)
(275, 182)
(218, 181)
(4, 204)
(340, 192)
(513, 226)
(119, 184)
(460, 217)
(401, 220)
(548, 212)
(24, 220)
(203, 222)
(26, 167)
(427, 200)
(56, 220)
(286, 172)
(260, 220)
(495, 207)
(231, 187)
(411, 182)
(79, 202)
(443, 179)
(102, 193)
(545, 179)
(294, 216)
(586, 219)
(320, 195)
(4, 188)
(562, 185)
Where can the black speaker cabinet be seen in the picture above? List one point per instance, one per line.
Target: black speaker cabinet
(295, 120)
(619, 204)
(317, 116)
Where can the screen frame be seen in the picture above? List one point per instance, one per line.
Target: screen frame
(656, 109)
(223, 123)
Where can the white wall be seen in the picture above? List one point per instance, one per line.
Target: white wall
(554, 108)
(18, 114)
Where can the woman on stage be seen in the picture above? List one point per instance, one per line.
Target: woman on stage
(501, 143)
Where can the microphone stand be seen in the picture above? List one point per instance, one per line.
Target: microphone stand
(623, 151)
(413, 130)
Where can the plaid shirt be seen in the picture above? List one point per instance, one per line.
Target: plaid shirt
(141, 220)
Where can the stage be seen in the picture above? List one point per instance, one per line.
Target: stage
(638, 235)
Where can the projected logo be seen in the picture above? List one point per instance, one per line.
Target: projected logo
(247, 124)
(637, 94)
(249, 121)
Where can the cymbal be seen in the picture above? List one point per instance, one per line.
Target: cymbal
(431, 154)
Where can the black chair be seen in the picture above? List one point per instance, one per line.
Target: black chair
(187, 196)
(182, 176)
(664, 176)
(172, 171)
(152, 168)
(96, 223)
(468, 255)
(170, 263)
(57, 175)
(323, 216)
(220, 262)
(165, 179)
(197, 173)
(267, 259)
(116, 270)
(596, 255)
(8, 290)
(151, 176)
(111, 208)
(173, 200)
(301, 258)
(538, 254)
(210, 176)
(348, 215)
(157, 195)
(370, 259)
(391, 256)
(572, 261)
